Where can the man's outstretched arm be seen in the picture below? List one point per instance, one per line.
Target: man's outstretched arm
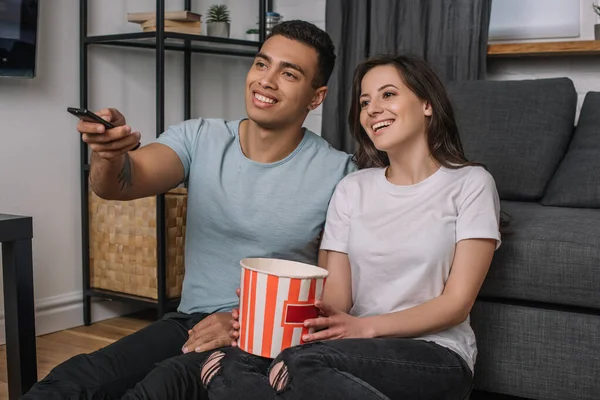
(150, 170)
(120, 174)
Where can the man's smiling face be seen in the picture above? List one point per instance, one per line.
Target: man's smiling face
(279, 85)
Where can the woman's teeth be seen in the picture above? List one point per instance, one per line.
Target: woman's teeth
(264, 99)
(382, 124)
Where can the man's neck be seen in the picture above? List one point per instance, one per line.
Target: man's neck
(267, 145)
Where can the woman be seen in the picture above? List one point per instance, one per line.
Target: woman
(410, 237)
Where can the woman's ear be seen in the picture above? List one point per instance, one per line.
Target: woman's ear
(427, 110)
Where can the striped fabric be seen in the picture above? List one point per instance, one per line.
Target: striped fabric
(273, 310)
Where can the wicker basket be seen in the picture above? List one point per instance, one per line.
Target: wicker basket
(123, 244)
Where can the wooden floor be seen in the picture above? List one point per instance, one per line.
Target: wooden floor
(54, 348)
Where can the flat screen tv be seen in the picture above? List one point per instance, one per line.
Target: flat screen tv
(18, 38)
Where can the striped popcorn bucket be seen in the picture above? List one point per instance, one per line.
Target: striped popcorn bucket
(276, 297)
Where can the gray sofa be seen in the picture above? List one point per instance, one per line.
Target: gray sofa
(537, 319)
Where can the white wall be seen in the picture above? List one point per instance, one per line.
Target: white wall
(584, 71)
(524, 19)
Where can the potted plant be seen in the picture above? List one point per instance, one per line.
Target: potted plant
(217, 21)
(597, 26)
(252, 35)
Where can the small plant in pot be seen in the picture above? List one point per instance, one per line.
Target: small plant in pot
(597, 26)
(252, 35)
(217, 21)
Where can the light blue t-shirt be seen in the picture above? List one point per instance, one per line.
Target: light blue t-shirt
(239, 208)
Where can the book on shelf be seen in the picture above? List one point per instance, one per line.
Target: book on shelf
(169, 23)
(179, 16)
(175, 21)
(178, 29)
(173, 26)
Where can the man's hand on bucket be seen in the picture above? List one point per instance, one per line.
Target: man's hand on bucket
(215, 331)
(235, 314)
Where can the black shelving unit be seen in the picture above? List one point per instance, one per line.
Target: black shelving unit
(160, 42)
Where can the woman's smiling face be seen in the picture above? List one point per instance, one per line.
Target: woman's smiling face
(391, 114)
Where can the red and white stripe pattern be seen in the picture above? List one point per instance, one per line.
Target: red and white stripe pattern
(273, 311)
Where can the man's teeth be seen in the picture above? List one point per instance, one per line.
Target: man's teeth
(382, 124)
(264, 99)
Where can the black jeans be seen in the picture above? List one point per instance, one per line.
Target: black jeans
(147, 364)
(346, 369)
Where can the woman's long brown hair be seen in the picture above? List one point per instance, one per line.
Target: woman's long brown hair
(442, 132)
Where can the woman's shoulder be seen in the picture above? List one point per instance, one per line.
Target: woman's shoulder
(471, 180)
(360, 177)
(471, 174)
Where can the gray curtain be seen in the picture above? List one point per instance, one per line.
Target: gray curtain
(451, 35)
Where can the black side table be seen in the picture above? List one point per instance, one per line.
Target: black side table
(16, 233)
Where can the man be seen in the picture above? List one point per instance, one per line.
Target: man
(257, 187)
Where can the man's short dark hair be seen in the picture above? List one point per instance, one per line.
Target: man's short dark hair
(311, 35)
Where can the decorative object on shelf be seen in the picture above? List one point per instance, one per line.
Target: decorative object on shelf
(123, 245)
(218, 22)
(597, 26)
(272, 19)
(252, 35)
(175, 21)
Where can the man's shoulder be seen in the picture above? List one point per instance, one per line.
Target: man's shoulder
(322, 150)
(323, 145)
(213, 126)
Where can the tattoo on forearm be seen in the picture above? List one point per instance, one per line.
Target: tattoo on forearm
(124, 176)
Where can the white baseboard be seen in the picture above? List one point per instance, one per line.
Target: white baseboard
(65, 311)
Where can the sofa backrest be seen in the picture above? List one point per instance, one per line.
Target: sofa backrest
(576, 183)
(519, 129)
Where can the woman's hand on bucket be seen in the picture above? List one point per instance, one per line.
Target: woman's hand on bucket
(334, 324)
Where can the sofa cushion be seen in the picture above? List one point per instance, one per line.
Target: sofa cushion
(519, 129)
(552, 255)
(577, 181)
(536, 353)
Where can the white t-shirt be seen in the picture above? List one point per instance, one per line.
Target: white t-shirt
(400, 240)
